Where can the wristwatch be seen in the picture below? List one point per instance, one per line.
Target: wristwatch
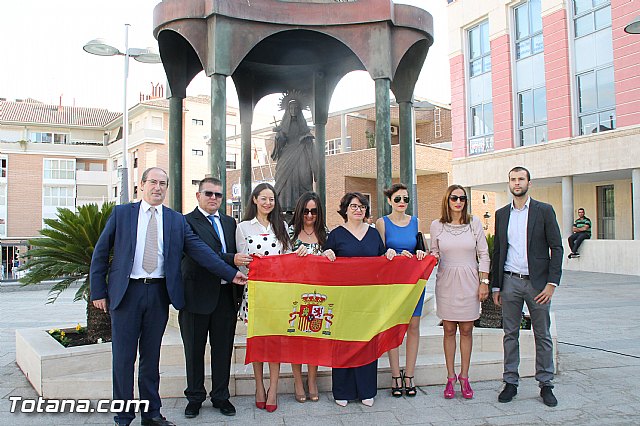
(485, 281)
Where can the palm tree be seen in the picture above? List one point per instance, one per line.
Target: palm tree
(491, 316)
(63, 254)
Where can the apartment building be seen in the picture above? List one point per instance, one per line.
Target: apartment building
(552, 85)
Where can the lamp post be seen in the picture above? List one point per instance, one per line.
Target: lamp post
(633, 27)
(148, 56)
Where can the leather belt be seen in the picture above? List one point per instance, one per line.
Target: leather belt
(148, 280)
(516, 275)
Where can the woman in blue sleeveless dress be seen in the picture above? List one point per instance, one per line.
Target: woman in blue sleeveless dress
(398, 231)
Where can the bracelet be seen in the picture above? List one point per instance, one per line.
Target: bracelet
(485, 281)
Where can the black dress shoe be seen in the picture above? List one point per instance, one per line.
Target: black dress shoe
(192, 410)
(225, 407)
(508, 393)
(548, 397)
(157, 421)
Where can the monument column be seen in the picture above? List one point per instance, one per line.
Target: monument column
(408, 154)
(246, 118)
(383, 143)
(635, 202)
(218, 153)
(175, 152)
(567, 206)
(320, 117)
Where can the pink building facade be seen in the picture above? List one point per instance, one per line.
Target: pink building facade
(552, 85)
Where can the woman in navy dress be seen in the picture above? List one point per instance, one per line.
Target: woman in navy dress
(398, 231)
(354, 239)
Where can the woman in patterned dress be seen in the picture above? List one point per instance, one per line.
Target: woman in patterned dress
(308, 235)
(459, 243)
(262, 232)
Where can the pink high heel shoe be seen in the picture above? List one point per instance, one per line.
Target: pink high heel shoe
(465, 387)
(449, 391)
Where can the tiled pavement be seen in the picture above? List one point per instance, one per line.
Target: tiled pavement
(593, 387)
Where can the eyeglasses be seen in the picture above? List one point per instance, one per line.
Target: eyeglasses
(210, 194)
(153, 182)
(313, 211)
(399, 198)
(355, 207)
(455, 198)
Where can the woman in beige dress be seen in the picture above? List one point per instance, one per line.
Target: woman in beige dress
(459, 243)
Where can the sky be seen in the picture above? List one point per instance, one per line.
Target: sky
(42, 58)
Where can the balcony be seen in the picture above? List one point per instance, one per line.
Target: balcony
(85, 177)
(146, 135)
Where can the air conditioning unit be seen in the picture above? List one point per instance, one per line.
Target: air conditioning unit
(394, 130)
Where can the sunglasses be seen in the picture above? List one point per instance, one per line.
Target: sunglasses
(210, 194)
(313, 211)
(455, 198)
(399, 198)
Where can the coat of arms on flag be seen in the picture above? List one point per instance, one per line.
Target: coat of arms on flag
(310, 314)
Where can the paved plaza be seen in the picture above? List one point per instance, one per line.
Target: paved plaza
(599, 363)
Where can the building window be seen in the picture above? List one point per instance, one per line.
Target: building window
(135, 192)
(156, 123)
(236, 211)
(197, 122)
(49, 137)
(195, 182)
(197, 152)
(59, 169)
(530, 82)
(3, 167)
(606, 212)
(480, 113)
(59, 196)
(594, 66)
(231, 164)
(333, 146)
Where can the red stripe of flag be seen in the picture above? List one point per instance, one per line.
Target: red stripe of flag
(345, 271)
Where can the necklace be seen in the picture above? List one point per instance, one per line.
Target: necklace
(456, 230)
(309, 234)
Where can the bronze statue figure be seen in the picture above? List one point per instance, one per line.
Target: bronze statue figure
(294, 152)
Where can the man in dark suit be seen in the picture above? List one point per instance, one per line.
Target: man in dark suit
(144, 276)
(526, 268)
(210, 309)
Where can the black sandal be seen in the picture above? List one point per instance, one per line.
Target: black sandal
(396, 391)
(411, 389)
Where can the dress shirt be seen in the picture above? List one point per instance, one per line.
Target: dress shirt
(143, 221)
(517, 258)
(220, 232)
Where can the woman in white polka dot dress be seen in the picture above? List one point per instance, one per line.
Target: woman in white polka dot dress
(263, 232)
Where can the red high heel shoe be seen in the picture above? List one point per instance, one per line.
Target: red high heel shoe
(271, 408)
(260, 404)
(449, 390)
(465, 387)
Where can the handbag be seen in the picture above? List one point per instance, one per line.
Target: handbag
(420, 242)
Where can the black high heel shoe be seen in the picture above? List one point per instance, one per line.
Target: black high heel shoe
(411, 389)
(396, 389)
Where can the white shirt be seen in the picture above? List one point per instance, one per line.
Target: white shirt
(517, 258)
(143, 222)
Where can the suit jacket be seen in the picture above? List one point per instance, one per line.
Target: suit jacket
(201, 287)
(120, 234)
(544, 245)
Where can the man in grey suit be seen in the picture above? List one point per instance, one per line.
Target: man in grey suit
(526, 268)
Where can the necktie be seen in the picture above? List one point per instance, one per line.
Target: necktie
(212, 218)
(150, 257)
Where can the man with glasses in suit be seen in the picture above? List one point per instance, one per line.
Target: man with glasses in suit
(210, 308)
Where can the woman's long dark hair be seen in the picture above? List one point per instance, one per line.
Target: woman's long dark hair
(297, 221)
(275, 218)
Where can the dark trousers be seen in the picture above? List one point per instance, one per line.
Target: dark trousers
(220, 327)
(137, 325)
(576, 239)
(355, 383)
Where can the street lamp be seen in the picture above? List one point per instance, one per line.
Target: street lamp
(633, 27)
(148, 56)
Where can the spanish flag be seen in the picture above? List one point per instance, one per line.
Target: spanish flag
(347, 313)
